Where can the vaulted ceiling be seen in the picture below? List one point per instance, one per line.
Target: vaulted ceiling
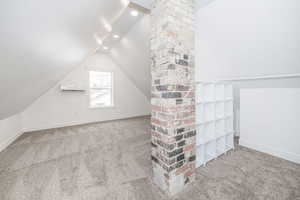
(41, 41)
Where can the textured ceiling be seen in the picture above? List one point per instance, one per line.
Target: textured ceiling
(41, 41)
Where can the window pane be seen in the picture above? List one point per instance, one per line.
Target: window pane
(100, 97)
(100, 79)
(101, 89)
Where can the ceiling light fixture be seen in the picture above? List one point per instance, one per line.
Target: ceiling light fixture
(116, 36)
(99, 41)
(134, 13)
(105, 24)
(108, 27)
(105, 48)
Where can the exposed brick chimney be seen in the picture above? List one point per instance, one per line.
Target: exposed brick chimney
(173, 96)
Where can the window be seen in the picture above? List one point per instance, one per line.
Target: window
(101, 91)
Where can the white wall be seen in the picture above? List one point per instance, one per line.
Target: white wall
(58, 109)
(248, 38)
(270, 121)
(242, 38)
(10, 129)
(271, 83)
(47, 39)
(132, 54)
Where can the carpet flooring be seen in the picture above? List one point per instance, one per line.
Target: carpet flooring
(111, 161)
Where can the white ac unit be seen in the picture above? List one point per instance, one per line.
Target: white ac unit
(72, 87)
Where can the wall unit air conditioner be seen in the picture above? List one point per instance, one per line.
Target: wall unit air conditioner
(75, 87)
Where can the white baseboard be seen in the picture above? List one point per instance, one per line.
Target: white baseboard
(6, 143)
(68, 124)
(293, 157)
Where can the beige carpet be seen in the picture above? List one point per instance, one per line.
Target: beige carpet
(111, 161)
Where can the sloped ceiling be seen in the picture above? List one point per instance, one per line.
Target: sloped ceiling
(132, 54)
(144, 3)
(41, 41)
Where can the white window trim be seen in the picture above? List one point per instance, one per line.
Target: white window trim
(112, 91)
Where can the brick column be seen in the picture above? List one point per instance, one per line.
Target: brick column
(173, 102)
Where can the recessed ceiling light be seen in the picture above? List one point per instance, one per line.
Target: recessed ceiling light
(134, 13)
(116, 36)
(98, 39)
(105, 48)
(108, 27)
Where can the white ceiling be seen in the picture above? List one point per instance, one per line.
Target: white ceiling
(132, 54)
(41, 41)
